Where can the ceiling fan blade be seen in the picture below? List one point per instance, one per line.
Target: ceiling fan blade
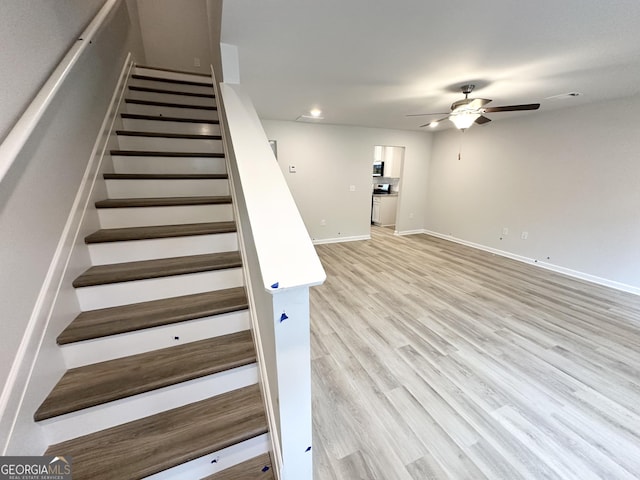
(512, 108)
(435, 121)
(424, 114)
(481, 120)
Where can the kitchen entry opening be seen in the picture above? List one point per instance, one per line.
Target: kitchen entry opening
(386, 184)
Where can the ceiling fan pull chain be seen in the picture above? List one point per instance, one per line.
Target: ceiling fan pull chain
(460, 147)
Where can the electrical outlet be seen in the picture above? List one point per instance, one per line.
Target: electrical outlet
(505, 231)
(196, 62)
(352, 188)
(323, 223)
(524, 235)
(292, 169)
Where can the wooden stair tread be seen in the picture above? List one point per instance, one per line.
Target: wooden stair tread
(140, 116)
(189, 136)
(103, 382)
(256, 468)
(162, 201)
(162, 69)
(162, 91)
(159, 231)
(154, 103)
(152, 78)
(165, 176)
(139, 316)
(153, 444)
(162, 267)
(148, 153)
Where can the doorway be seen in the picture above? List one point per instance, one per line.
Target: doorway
(386, 184)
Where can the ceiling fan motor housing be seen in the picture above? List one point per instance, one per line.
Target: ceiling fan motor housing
(467, 89)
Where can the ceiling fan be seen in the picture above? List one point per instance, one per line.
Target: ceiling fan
(468, 111)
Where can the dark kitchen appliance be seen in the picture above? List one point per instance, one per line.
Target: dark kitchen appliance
(383, 188)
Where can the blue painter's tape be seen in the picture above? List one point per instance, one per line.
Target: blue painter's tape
(265, 468)
(283, 317)
(308, 449)
(275, 285)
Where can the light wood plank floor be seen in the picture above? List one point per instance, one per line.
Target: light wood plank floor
(431, 360)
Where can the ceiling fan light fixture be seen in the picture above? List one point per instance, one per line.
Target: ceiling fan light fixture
(464, 119)
(434, 124)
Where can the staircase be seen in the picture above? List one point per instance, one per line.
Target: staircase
(162, 375)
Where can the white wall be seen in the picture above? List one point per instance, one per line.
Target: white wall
(570, 178)
(35, 35)
(37, 194)
(175, 32)
(331, 158)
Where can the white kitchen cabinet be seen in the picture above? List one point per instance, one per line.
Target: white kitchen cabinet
(383, 210)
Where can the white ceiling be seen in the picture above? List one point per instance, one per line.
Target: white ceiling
(370, 63)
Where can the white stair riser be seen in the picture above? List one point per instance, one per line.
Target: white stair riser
(171, 97)
(171, 111)
(160, 144)
(141, 341)
(128, 164)
(150, 188)
(134, 250)
(152, 72)
(170, 86)
(217, 461)
(89, 420)
(162, 126)
(124, 293)
(147, 216)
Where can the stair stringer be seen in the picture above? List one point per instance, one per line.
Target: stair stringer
(40, 363)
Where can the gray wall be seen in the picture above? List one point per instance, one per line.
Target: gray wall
(37, 194)
(35, 35)
(570, 178)
(331, 158)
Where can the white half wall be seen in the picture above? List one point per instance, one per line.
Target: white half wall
(568, 178)
(329, 159)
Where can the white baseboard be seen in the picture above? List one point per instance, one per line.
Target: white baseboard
(409, 232)
(31, 375)
(356, 238)
(548, 266)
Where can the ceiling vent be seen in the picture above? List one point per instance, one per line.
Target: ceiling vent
(308, 118)
(564, 95)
